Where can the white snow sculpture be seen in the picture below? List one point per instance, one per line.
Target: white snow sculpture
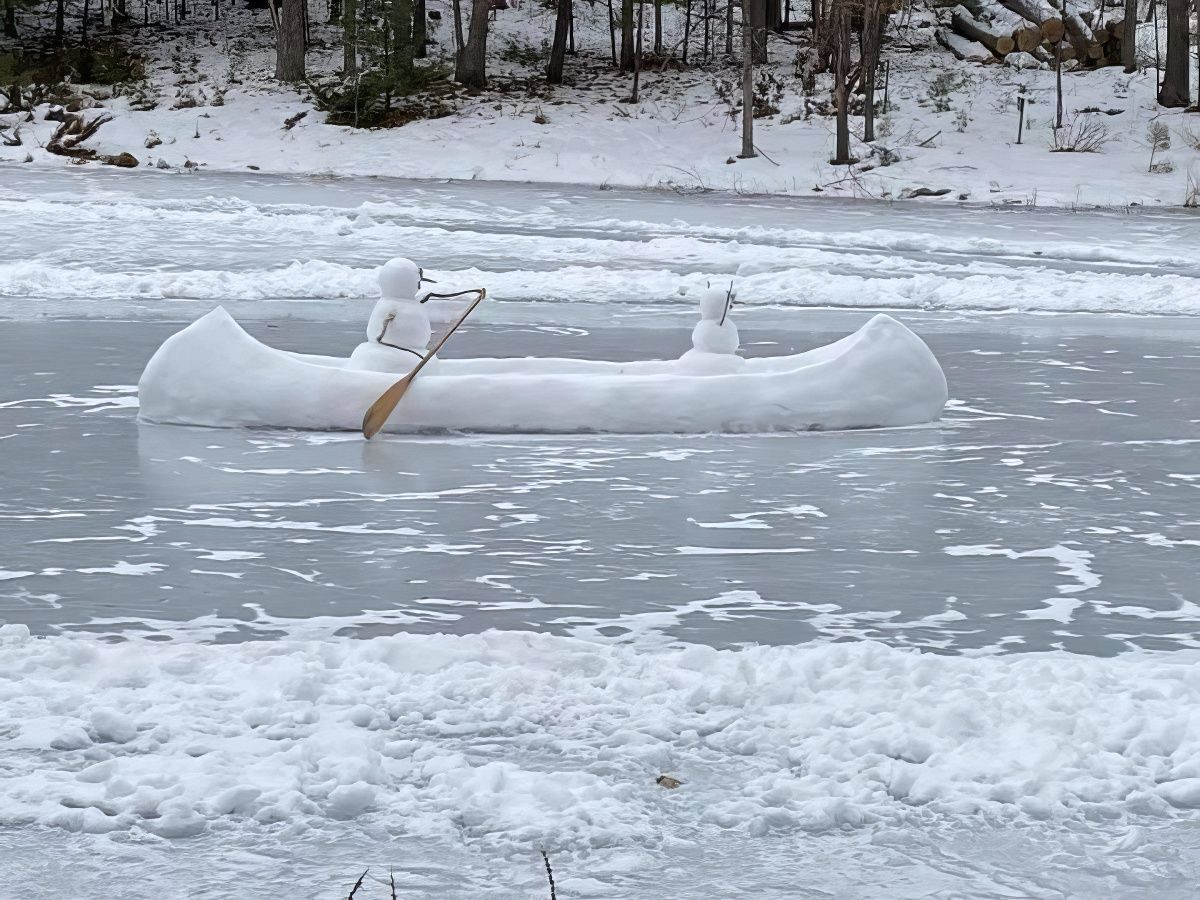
(398, 331)
(715, 339)
(214, 373)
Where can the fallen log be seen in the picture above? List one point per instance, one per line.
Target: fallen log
(1040, 13)
(1078, 32)
(1028, 39)
(962, 49)
(72, 132)
(965, 24)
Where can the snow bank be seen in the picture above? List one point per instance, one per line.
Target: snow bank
(967, 287)
(523, 741)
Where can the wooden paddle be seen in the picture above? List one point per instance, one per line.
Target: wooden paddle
(378, 414)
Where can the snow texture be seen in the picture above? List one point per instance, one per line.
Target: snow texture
(523, 741)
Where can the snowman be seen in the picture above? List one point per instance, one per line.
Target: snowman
(398, 331)
(715, 338)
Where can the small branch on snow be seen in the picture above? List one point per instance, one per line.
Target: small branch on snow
(549, 875)
(357, 885)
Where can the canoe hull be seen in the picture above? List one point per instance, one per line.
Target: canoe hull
(215, 374)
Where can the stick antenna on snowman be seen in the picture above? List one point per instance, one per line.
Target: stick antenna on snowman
(382, 408)
(728, 303)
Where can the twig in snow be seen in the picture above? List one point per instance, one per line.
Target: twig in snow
(758, 150)
(357, 885)
(392, 881)
(928, 141)
(549, 875)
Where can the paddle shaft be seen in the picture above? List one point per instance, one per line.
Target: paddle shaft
(382, 408)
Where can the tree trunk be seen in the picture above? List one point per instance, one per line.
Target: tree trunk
(60, 27)
(350, 38)
(627, 50)
(289, 46)
(637, 54)
(612, 32)
(841, 28)
(1129, 37)
(873, 23)
(420, 30)
(10, 21)
(1175, 90)
(459, 40)
(658, 44)
(729, 28)
(758, 29)
(470, 69)
(558, 51)
(748, 79)
(400, 14)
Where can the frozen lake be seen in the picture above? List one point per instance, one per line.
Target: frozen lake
(280, 641)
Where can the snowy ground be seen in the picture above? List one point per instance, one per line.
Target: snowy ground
(949, 125)
(272, 659)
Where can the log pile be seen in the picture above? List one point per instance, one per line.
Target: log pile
(1049, 28)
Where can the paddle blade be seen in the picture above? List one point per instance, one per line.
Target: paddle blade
(378, 414)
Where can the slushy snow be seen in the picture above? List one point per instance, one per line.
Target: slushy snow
(518, 740)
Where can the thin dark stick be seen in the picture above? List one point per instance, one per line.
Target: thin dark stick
(728, 303)
(357, 885)
(550, 875)
(392, 879)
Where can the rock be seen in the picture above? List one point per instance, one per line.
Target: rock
(668, 782)
(28, 158)
(121, 160)
(152, 140)
(162, 164)
(909, 193)
(56, 114)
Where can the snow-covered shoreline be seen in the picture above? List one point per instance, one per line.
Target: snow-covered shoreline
(950, 126)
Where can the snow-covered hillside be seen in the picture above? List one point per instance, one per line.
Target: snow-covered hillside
(949, 127)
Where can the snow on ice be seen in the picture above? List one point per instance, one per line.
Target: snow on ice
(523, 740)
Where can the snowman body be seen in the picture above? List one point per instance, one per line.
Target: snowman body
(398, 330)
(715, 339)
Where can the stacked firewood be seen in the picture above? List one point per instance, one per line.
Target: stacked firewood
(1049, 29)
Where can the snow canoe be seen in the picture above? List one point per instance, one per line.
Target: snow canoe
(213, 373)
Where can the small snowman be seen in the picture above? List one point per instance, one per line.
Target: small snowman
(398, 331)
(715, 338)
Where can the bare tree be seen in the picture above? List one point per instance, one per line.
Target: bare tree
(874, 20)
(1175, 90)
(841, 36)
(748, 80)
(400, 20)
(1129, 37)
(420, 31)
(350, 38)
(10, 18)
(289, 46)
(470, 69)
(758, 29)
(558, 50)
(627, 48)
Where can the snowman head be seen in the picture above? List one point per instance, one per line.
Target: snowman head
(714, 302)
(399, 279)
